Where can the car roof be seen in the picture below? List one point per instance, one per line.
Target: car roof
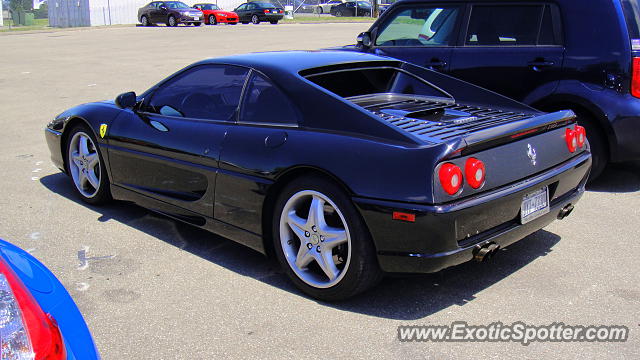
(295, 61)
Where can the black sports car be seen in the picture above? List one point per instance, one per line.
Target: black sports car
(258, 11)
(342, 165)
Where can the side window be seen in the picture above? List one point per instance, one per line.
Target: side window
(509, 25)
(210, 92)
(420, 26)
(265, 104)
(251, 6)
(242, 7)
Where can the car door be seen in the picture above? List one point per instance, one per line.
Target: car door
(159, 12)
(422, 34)
(513, 49)
(254, 149)
(169, 148)
(242, 12)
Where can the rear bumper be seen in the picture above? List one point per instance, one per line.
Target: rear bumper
(446, 235)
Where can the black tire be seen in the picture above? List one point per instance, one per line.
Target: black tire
(255, 19)
(197, 24)
(361, 271)
(319, 10)
(144, 20)
(213, 20)
(103, 192)
(171, 21)
(597, 142)
(274, 22)
(337, 13)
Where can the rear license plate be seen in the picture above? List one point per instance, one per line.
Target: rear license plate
(534, 205)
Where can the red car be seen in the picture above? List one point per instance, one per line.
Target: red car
(214, 15)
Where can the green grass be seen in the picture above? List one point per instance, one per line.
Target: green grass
(38, 24)
(325, 19)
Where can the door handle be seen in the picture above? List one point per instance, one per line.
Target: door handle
(435, 64)
(276, 139)
(539, 64)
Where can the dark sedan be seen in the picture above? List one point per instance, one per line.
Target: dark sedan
(391, 168)
(171, 13)
(256, 12)
(352, 8)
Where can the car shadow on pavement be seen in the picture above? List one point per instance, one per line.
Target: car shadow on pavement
(398, 297)
(621, 178)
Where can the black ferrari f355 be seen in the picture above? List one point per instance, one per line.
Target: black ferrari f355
(343, 166)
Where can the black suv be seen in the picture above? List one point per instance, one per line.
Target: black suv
(557, 54)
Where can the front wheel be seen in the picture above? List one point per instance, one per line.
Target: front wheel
(338, 13)
(86, 167)
(319, 10)
(255, 20)
(321, 241)
(212, 20)
(171, 21)
(144, 21)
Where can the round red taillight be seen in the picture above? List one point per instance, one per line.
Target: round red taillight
(474, 172)
(571, 139)
(581, 135)
(450, 178)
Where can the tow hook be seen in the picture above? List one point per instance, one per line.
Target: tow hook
(484, 252)
(565, 212)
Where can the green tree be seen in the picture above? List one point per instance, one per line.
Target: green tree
(21, 5)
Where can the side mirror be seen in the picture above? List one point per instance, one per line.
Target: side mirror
(364, 39)
(126, 100)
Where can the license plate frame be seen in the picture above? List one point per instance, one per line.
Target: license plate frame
(534, 205)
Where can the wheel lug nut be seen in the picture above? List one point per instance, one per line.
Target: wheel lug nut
(306, 233)
(289, 242)
(314, 228)
(318, 248)
(309, 246)
(321, 238)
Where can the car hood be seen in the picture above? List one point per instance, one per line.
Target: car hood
(223, 12)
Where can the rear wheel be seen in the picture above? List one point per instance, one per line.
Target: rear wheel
(255, 19)
(86, 167)
(171, 21)
(321, 241)
(212, 20)
(144, 21)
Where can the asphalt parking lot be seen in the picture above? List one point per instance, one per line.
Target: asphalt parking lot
(151, 288)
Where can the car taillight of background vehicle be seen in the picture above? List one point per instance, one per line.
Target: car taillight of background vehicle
(450, 178)
(575, 137)
(635, 77)
(474, 172)
(26, 332)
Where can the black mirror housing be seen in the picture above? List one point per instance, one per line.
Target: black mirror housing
(126, 100)
(364, 39)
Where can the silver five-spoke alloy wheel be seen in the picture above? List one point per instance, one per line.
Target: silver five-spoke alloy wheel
(315, 239)
(84, 164)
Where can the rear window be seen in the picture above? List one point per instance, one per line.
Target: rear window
(631, 12)
(355, 82)
(504, 25)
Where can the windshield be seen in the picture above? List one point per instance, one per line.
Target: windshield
(631, 12)
(176, 5)
(210, 7)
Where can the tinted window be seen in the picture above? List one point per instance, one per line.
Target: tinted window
(504, 25)
(632, 17)
(242, 7)
(176, 5)
(264, 103)
(206, 92)
(420, 26)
